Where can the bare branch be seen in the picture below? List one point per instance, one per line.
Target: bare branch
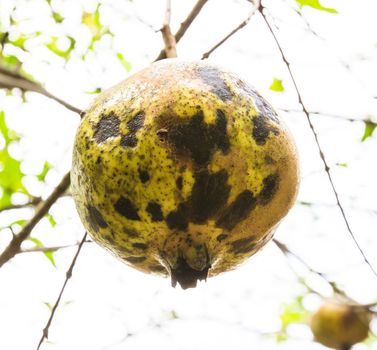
(321, 153)
(15, 244)
(326, 114)
(67, 277)
(50, 249)
(32, 202)
(10, 80)
(169, 39)
(342, 62)
(185, 25)
(287, 252)
(235, 30)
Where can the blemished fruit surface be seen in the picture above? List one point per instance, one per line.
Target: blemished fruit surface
(183, 169)
(339, 325)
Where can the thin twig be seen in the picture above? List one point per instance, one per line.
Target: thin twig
(343, 63)
(15, 244)
(326, 114)
(256, 4)
(321, 153)
(169, 39)
(32, 202)
(50, 249)
(185, 25)
(287, 252)
(10, 80)
(330, 205)
(67, 277)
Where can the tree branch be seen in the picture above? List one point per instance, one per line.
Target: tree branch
(32, 202)
(67, 277)
(312, 128)
(185, 25)
(318, 113)
(10, 80)
(15, 244)
(50, 249)
(287, 252)
(256, 4)
(169, 39)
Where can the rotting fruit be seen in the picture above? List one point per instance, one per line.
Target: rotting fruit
(183, 169)
(339, 325)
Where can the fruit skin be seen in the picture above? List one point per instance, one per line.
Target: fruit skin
(184, 170)
(340, 325)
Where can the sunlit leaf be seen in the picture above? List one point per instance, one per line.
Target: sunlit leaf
(10, 173)
(46, 167)
(49, 254)
(57, 17)
(125, 64)
(316, 5)
(51, 220)
(345, 165)
(277, 85)
(10, 61)
(36, 241)
(95, 91)
(92, 21)
(21, 222)
(20, 41)
(369, 129)
(52, 46)
(293, 312)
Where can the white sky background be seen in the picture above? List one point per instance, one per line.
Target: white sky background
(106, 300)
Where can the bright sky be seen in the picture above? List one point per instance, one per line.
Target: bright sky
(105, 300)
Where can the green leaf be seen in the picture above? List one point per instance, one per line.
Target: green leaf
(10, 61)
(369, 129)
(57, 17)
(293, 312)
(277, 85)
(49, 255)
(315, 4)
(124, 63)
(52, 46)
(21, 222)
(345, 165)
(20, 41)
(51, 220)
(95, 91)
(46, 168)
(10, 172)
(92, 20)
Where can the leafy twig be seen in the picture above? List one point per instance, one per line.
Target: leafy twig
(10, 80)
(185, 25)
(67, 277)
(235, 30)
(169, 39)
(15, 244)
(321, 153)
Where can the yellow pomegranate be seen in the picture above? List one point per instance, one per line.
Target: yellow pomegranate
(184, 170)
(340, 325)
